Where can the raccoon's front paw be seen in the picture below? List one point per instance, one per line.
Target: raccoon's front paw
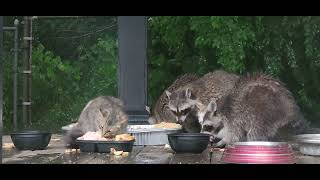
(220, 144)
(214, 139)
(109, 135)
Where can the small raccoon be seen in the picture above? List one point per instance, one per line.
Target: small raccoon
(256, 110)
(196, 96)
(104, 114)
(161, 112)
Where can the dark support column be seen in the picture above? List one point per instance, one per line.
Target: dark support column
(132, 67)
(27, 76)
(1, 81)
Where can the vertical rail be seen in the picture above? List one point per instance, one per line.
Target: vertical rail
(132, 66)
(1, 91)
(15, 74)
(30, 70)
(25, 70)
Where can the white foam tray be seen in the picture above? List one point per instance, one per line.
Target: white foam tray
(148, 135)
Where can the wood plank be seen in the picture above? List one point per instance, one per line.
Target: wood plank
(305, 159)
(190, 158)
(153, 155)
(29, 156)
(12, 155)
(37, 159)
(216, 157)
(203, 158)
(73, 158)
(107, 158)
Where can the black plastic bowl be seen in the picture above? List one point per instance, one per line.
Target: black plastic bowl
(104, 146)
(189, 142)
(31, 140)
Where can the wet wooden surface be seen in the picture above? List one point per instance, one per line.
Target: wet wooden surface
(56, 154)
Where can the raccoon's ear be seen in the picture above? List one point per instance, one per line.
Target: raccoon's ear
(104, 112)
(188, 93)
(168, 94)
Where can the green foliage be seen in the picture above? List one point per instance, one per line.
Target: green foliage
(285, 47)
(75, 60)
(62, 87)
(68, 87)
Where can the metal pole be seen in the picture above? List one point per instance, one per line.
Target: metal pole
(132, 67)
(30, 69)
(15, 74)
(1, 100)
(14, 70)
(25, 69)
(57, 17)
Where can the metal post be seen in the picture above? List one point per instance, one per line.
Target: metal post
(15, 74)
(14, 69)
(26, 72)
(30, 69)
(132, 66)
(1, 100)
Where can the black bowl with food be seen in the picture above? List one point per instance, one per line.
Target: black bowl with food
(189, 142)
(93, 142)
(104, 146)
(31, 139)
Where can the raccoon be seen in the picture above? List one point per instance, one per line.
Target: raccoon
(191, 123)
(196, 96)
(161, 112)
(256, 110)
(104, 114)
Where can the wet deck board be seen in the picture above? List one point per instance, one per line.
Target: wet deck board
(153, 155)
(106, 158)
(187, 158)
(56, 154)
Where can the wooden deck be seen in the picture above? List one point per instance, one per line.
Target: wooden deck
(56, 154)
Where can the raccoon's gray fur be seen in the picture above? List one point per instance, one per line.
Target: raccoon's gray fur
(257, 109)
(161, 112)
(197, 95)
(191, 123)
(104, 114)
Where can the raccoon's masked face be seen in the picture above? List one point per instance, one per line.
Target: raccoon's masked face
(181, 103)
(211, 123)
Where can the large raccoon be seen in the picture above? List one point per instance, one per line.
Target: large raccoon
(256, 110)
(196, 96)
(104, 114)
(161, 112)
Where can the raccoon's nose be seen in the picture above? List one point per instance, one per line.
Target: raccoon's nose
(177, 119)
(206, 128)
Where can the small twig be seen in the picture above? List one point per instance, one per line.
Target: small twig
(87, 34)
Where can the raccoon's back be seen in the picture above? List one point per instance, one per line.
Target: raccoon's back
(160, 111)
(216, 84)
(261, 101)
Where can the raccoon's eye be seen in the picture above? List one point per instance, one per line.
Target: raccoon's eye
(175, 113)
(185, 111)
(207, 128)
(109, 123)
(218, 128)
